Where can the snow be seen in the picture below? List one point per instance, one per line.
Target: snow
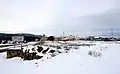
(75, 62)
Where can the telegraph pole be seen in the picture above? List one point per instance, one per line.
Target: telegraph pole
(112, 32)
(63, 34)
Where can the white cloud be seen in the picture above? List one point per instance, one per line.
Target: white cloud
(50, 15)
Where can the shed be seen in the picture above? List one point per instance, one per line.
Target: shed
(14, 53)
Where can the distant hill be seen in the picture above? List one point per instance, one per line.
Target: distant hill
(27, 37)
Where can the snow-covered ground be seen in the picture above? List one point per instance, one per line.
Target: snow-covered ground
(77, 61)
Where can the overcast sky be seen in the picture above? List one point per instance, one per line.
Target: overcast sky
(56, 16)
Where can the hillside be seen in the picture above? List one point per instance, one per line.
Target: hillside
(27, 37)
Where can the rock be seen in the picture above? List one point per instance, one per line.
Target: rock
(39, 49)
(44, 51)
(90, 53)
(59, 51)
(53, 55)
(33, 49)
(58, 47)
(39, 57)
(51, 51)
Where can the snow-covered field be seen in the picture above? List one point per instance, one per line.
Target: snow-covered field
(76, 61)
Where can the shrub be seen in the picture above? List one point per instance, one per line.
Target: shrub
(51, 38)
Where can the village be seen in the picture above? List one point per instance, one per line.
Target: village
(51, 45)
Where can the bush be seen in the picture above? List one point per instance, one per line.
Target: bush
(51, 38)
(94, 53)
